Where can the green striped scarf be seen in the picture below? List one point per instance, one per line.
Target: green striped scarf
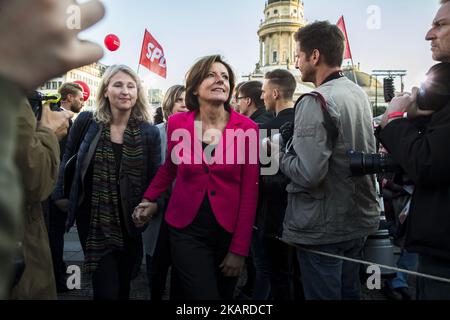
(105, 231)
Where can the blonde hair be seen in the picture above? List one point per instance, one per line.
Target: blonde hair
(140, 111)
(171, 97)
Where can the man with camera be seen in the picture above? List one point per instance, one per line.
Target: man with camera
(328, 211)
(425, 158)
(72, 99)
(37, 158)
(22, 69)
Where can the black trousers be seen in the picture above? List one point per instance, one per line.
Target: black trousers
(56, 230)
(158, 266)
(197, 252)
(112, 278)
(284, 271)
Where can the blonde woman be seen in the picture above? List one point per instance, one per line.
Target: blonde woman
(117, 158)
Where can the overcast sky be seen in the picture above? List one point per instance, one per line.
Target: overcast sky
(190, 29)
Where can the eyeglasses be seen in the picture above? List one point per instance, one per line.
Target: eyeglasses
(239, 98)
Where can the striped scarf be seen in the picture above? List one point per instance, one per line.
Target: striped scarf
(105, 230)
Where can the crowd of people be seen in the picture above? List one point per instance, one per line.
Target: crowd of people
(188, 191)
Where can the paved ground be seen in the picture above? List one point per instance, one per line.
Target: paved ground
(73, 255)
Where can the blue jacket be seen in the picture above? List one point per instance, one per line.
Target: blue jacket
(130, 196)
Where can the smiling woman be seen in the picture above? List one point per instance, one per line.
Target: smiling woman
(121, 89)
(213, 205)
(118, 156)
(209, 80)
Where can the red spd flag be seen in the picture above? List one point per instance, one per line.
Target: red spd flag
(152, 55)
(341, 25)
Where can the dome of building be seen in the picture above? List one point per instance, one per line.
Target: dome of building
(364, 79)
(273, 1)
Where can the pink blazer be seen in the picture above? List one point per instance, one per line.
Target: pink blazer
(231, 181)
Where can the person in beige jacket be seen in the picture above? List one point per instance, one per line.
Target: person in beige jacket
(22, 69)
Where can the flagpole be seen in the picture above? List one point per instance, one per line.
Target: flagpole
(139, 62)
(347, 44)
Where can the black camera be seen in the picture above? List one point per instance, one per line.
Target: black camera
(37, 101)
(434, 93)
(373, 163)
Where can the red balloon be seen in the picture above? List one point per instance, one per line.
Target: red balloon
(86, 90)
(112, 42)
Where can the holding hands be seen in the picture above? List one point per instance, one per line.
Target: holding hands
(144, 213)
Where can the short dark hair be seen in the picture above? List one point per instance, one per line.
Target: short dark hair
(158, 116)
(197, 73)
(238, 86)
(252, 90)
(325, 37)
(69, 88)
(284, 81)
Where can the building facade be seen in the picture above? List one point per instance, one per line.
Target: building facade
(155, 98)
(282, 19)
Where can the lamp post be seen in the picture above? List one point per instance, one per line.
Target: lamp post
(376, 95)
(386, 73)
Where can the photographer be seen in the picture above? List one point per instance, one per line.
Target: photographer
(328, 210)
(425, 158)
(22, 69)
(72, 99)
(37, 157)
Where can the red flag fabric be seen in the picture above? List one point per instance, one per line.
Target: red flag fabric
(341, 25)
(152, 55)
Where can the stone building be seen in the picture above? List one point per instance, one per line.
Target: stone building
(282, 19)
(90, 74)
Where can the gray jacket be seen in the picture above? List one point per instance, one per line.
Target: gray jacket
(325, 204)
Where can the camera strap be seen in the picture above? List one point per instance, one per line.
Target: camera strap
(330, 126)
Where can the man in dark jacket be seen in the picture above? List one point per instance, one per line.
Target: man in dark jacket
(72, 99)
(277, 91)
(250, 103)
(425, 158)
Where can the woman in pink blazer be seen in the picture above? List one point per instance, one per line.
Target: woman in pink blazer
(212, 156)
